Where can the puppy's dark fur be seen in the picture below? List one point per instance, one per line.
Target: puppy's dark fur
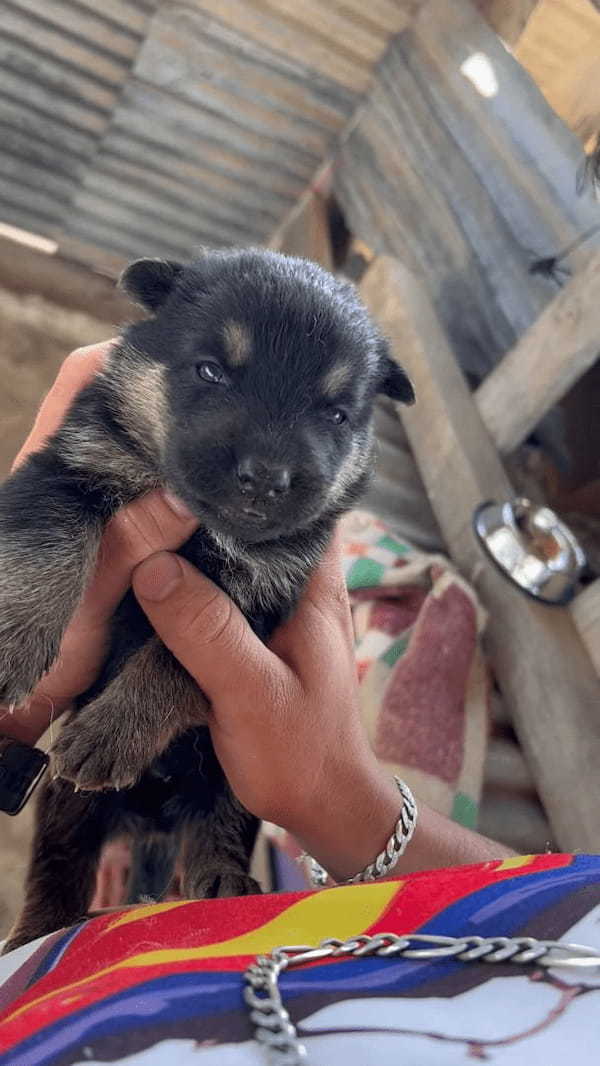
(249, 393)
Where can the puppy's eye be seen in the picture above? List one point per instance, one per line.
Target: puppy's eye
(210, 372)
(336, 415)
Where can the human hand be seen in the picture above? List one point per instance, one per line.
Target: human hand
(137, 531)
(284, 719)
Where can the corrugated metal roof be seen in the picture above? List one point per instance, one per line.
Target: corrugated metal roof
(63, 67)
(134, 127)
(141, 127)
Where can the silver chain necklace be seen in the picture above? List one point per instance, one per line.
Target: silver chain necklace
(278, 1035)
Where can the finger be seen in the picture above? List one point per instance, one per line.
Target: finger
(141, 529)
(327, 583)
(322, 615)
(201, 626)
(153, 523)
(76, 372)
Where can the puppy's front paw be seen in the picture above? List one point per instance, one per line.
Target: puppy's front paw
(219, 881)
(97, 750)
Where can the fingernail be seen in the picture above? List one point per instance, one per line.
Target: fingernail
(178, 506)
(156, 577)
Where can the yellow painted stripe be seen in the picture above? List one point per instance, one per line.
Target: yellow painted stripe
(514, 863)
(137, 914)
(339, 912)
(309, 920)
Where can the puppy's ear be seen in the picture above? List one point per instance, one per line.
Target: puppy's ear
(394, 381)
(149, 281)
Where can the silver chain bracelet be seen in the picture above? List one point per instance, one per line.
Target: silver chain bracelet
(387, 859)
(278, 1035)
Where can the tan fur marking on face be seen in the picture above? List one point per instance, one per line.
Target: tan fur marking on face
(336, 379)
(145, 397)
(141, 391)
(238, 343)
(356, 462)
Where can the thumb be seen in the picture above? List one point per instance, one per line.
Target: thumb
(200, 624)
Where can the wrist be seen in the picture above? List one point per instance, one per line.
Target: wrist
(346, 827)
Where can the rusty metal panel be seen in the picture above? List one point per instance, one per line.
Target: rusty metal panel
(139, 127)
(63, 67)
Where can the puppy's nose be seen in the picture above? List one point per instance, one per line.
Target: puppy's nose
(259, 478)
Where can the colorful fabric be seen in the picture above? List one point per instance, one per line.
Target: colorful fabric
(424, 684)
(162, 984)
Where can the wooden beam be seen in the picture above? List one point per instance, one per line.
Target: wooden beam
(549, 358)
(305, 232)
(507, 17)
(543, 670)
(63, 282)
(586, 612)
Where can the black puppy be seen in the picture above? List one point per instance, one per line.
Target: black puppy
(249, 394)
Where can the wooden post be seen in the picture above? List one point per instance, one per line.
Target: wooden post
(507, 17)
(64, 282)
(550, 357)
(305, 232)
(540, 662)
(586, 612)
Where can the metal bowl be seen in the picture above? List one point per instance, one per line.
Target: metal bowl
(532, 547)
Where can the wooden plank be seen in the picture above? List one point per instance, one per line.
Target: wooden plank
(549, 358)
(24, 270)
(306, 232)
(543, 670)
(77, 250)
(507, 17)
(585, 609)
(561, 50)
